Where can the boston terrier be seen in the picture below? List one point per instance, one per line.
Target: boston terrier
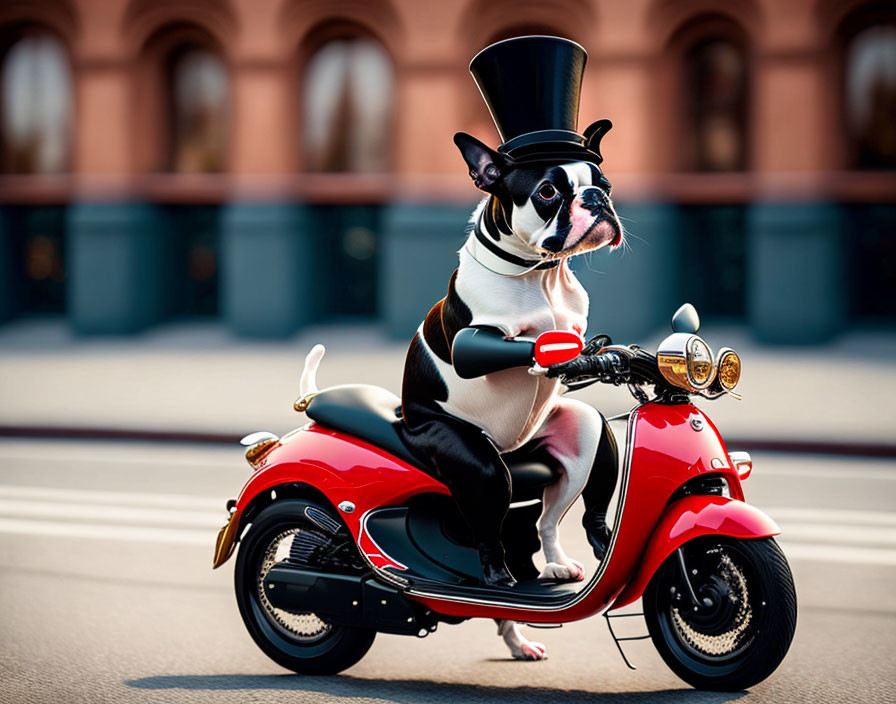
(512, 284)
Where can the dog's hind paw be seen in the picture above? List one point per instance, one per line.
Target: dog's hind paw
(573, 572)
(530, 650)
(520, 647)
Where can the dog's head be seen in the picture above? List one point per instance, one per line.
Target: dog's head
(554, 209)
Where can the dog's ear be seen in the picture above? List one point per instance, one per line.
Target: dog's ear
(487, 167)
(594, 133)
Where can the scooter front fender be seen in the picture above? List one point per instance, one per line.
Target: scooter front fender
(689, 518)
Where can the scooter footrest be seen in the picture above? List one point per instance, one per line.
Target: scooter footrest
(531, 592)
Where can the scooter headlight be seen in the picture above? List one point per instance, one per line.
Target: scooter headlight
(728, 364)
(701, 367)
(686, 361)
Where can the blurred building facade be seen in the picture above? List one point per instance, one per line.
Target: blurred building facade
(273, 163)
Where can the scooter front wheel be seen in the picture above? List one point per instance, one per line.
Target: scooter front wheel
(302, 642)
(732, 625)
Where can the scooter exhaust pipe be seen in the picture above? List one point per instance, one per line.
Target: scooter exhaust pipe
(346, 600)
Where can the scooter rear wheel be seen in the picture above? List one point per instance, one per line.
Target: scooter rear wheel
(303, 643)
(746, 617)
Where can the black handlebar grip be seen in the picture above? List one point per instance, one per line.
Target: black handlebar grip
(591, 365)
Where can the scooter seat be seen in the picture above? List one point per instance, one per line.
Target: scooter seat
(371, 413)
(368, 412)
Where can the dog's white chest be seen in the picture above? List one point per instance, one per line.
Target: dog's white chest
(510, 405)
(523, 306)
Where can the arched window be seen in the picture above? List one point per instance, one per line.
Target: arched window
(870, 96)
(199, 111)
(716, 97)
(36, 102)
(347, 107)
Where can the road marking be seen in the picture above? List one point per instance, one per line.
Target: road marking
(144, 455)
(887, 473)
(831, 515)
(170, 536)
(110, 514)
(8, 491)
(813, 532)
(822, 535)
(837, 553)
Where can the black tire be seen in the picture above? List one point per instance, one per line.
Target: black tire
(744, 635)
(304, 644)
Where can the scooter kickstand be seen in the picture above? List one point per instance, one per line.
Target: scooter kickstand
(618, 641)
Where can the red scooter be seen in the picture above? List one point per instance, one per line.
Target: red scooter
(342, 534)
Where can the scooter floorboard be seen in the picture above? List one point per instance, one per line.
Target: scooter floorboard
(437, 561)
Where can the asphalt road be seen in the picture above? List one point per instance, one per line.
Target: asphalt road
(107, 595)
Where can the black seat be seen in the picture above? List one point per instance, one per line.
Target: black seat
(371, 413)
(365, 411)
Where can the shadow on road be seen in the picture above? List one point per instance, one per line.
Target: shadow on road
(415, 691)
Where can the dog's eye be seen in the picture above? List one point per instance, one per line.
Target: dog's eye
(547, 192)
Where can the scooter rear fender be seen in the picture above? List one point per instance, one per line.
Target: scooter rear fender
(690, 518)
(352, 475)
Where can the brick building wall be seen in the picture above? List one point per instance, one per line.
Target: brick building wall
(277, 162)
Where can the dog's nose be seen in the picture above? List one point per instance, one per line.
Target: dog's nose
(554, 243)
(594, 199)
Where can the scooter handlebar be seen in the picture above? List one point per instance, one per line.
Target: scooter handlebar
(611, 366)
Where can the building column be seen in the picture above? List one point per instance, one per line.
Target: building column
(115, 248)
(268, 269)
(116, 267)
(796, 272)
(267, 256)
(796, 291)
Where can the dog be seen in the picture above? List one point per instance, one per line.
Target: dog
(514, 278)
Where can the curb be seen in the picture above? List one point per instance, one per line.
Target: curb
(50, 432)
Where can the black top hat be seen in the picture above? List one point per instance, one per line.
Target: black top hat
(531, 86)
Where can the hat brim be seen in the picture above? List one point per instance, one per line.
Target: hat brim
(549, 145)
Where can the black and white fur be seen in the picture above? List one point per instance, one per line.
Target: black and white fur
(513, 277)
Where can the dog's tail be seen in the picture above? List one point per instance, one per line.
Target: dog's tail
(308, 382)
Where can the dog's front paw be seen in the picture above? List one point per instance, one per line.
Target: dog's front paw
(572, 572)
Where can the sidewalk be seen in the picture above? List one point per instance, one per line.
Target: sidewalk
(197, 379)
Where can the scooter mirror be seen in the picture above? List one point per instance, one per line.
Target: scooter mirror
(686, 319)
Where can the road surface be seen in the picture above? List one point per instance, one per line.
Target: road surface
(107, 595)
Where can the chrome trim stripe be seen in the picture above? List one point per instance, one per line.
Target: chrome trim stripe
(595, 580)
(387, 577)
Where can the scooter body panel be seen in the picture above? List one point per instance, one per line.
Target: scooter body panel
(690, 518)
(667, 445)
(344, 469)
(664, 450)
